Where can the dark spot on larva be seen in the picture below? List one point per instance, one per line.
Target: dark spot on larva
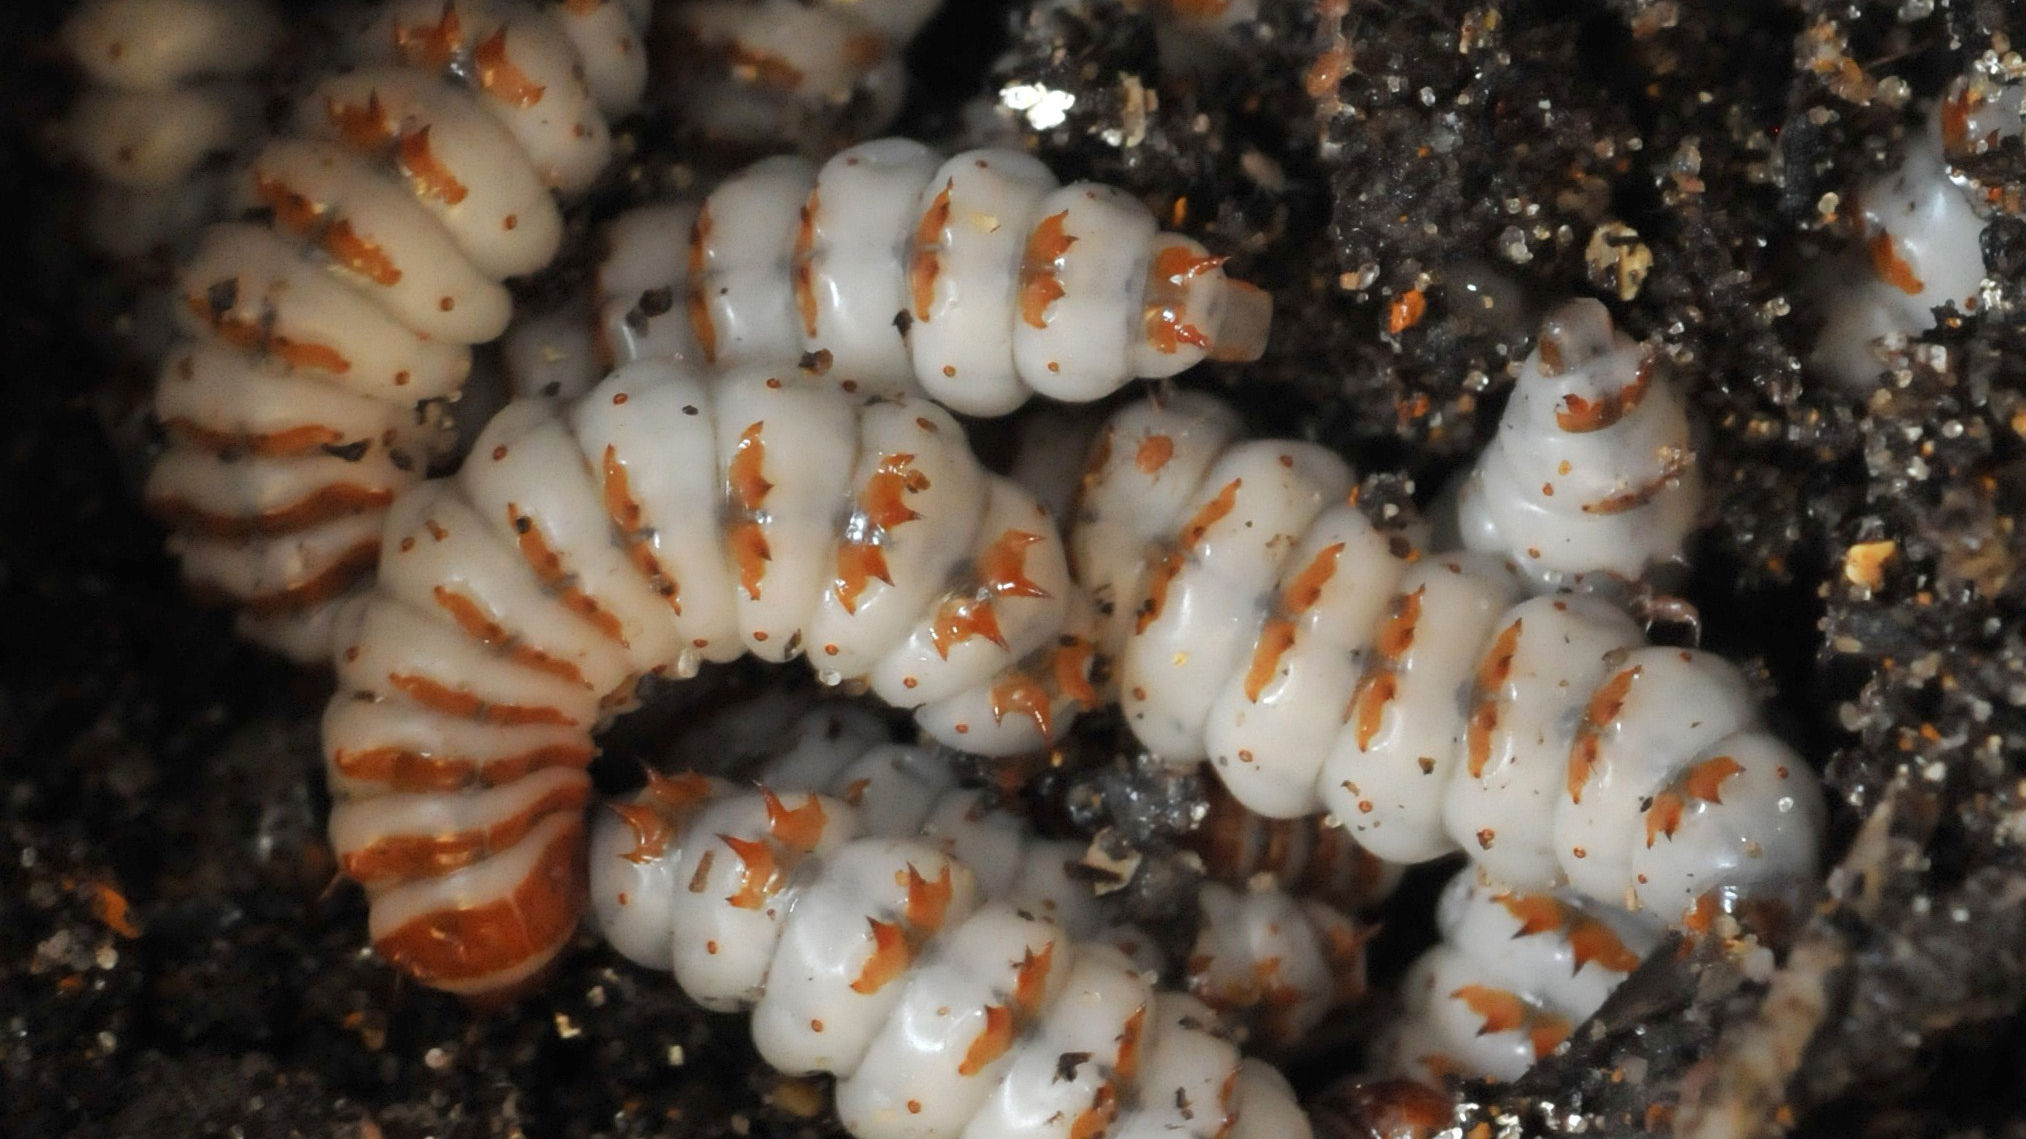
(773, 383)
(523, 524)
(902, 322)
(950, 370)
(223, 296)
(816, 363)
(510, 222)
(1427, 765)
(401, 378)
(552, 389)
(1067, 1064)
(619, 399)
(445, 303)
(689, 409)
(407, 544)
(499, 452)
(350, 452)
(656, 302)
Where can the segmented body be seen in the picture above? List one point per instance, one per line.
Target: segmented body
(325, 341)
(932, 959)
(1515, 973)
(172, 96)
(664, 521)
(975, 279)
(1256, 617)
(814, 76)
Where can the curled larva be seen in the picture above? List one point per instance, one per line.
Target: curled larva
(663, 521)
(813, 76)
(1921, 233)
(171, 95)
(1255, 616)
(927, 958)
(1592, 469)
(1514, 974)
(325, 340)
(977, 279)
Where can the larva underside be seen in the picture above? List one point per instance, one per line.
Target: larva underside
(666, 521)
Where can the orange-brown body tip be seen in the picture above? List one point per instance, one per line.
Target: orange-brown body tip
(459, 947)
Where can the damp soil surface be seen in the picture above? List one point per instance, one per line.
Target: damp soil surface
(176, 958)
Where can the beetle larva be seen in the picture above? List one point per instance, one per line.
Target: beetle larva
(664, 521)
(941, 1006)
(1324, 662)
(977, 279)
